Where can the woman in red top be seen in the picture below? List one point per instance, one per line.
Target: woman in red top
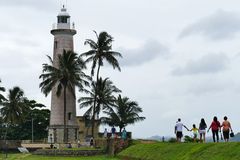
(215, 128)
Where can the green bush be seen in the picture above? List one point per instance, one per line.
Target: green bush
(172, 140)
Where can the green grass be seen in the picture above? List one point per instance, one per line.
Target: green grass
(157, 151)
(184, 151)
(36, 157)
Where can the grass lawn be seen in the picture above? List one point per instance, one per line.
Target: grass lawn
(36, 157)
(183, 151)
(157, 151)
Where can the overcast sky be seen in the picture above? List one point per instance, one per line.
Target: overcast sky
(181, 58)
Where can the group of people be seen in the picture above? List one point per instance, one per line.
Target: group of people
(114, 134)
(216, 127)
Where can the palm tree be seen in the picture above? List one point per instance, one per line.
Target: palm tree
(2, 89)
(125, 112)
(100, 50)
(14, 107)
(103, 90)
(66, 75)
(33, 104)
(16, 111)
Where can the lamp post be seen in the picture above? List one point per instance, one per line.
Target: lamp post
(51, 138)
(32, 130)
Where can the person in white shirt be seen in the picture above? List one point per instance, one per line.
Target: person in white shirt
(178, 130)
(105, 133)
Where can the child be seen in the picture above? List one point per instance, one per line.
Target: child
(195, 132)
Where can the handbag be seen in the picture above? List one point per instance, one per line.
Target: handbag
(231, 134)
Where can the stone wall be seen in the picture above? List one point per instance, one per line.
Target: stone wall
(56, 134)
(57, 152)
(112, 146)
(11, 144)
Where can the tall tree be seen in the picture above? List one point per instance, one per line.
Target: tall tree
(124, 113)
(100, 50)
(2, 128)
(35, 124)
(2, 89)
(66, 75)
(104, 91)
(14, 107)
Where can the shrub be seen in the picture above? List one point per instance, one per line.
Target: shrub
(172, 140)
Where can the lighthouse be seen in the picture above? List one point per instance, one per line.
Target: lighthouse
(63, 32)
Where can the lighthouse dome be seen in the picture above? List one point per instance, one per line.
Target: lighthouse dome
(63, 13)
(63, 19)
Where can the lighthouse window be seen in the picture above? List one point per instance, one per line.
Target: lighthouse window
(62, 19)
(69, 115)
(55, 44)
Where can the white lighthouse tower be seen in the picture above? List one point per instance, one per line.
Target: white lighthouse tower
(63, 33)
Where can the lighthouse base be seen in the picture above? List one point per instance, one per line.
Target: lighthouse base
(56, 134)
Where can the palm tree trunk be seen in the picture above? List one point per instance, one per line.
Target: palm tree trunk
(98, 70)
(64, 116)
(94, 104)
(93, 117)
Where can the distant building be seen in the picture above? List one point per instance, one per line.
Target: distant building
(85, 127)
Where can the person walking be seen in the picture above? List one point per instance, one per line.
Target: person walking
(216, 127)
(105, 133)
(124, 134)
(113, 131)
(178, 130)
(195, 132)
(226, 127)
(202, 130)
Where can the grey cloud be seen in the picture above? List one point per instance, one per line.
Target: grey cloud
(14, 59)
(220, 25)
(40, 5)
(23, 42)
(210, 63)
(207, 87)
(149, 51)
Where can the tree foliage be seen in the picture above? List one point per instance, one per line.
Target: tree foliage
(16, 114)
(2, 89)
(101, 50)
(14, 106)
(104, 91)
(124, 112)
(23, 130)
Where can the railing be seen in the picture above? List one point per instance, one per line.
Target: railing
(63, 26)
